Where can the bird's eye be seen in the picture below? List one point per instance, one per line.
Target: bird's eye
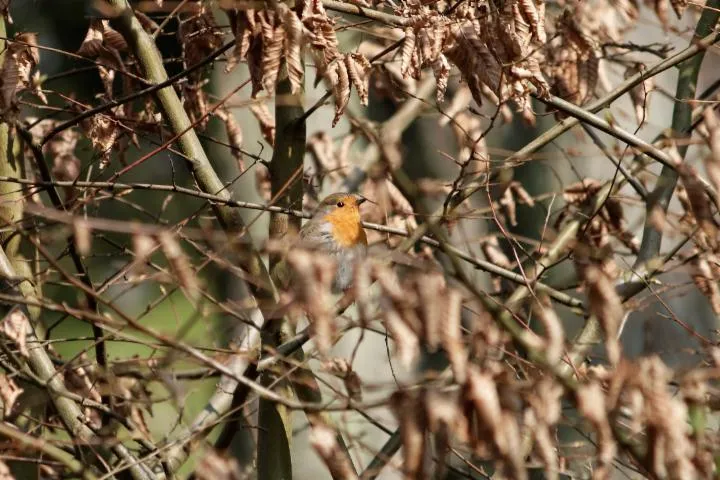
(341, 204)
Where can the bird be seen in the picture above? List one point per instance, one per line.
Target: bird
(335, 229)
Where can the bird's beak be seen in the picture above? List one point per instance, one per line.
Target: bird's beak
(360, 200)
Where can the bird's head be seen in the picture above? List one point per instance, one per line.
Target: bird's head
(342, 211)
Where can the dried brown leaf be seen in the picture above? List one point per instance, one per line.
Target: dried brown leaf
(143, 247)
(431, 289)
(408, 409)
(102, 130)
(273, 38)
(712, 162)
(553, 329)
(441, 70)
(263, 184)
(242, 25)
(92, 45)
(497, 426)
(293, 47)
(407, 344)
(321, 146)
(705, 280)
(340, 80)
(82, 234)
(700, 205)
(21, 58)
(522, 194)
(508, 203)
(342, 369)
(407, 51)
(605, 303)
(266, 121)
(316, 273)
(255, 65)
(5, 12)
(16, 326)
(359, 68)
(494, 254)
(234, 134)
(5, 473)
(9, 393)
(180, 264)
(591, 404)
(324, 440)
(679, 7)
(214, 465)
(545, 411)
(580, 192)
(198, 35)
(451, 336)
(640, 94)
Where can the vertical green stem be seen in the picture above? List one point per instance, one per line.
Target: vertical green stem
(11, 208)
(286, 170)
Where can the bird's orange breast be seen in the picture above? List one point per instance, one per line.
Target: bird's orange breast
(346, 228)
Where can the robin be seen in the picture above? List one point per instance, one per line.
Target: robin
(336, 230)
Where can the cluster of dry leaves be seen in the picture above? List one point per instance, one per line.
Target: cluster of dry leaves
(268, 38)
(505, 410)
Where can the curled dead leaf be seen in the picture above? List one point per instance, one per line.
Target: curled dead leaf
(16, 326)
(9, 393)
